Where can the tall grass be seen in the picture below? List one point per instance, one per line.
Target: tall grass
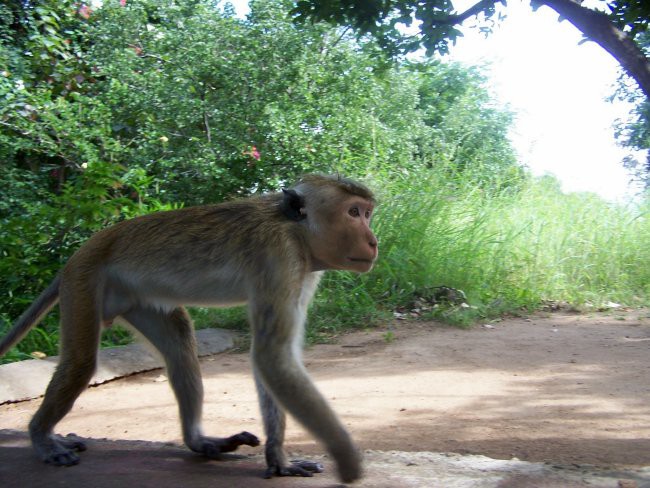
(509, 249)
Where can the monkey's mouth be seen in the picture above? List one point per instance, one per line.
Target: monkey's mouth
(361, 260)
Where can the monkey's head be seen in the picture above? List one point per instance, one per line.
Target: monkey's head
(336, 214)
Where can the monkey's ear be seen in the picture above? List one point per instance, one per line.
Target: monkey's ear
(293, 205)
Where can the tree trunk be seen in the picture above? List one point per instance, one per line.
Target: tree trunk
(599, 28)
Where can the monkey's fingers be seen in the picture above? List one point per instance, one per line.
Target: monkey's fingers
(241, 439)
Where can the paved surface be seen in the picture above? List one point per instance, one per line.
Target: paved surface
(108, 464)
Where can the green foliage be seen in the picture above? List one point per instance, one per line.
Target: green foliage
(469, 136)
(437, 20)
(61, 167)
(635, 132)
(344, 301)
(194, 93)
(390, 21)
(630, 15)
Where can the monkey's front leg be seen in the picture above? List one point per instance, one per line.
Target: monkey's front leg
(276, 357)
(274, 426)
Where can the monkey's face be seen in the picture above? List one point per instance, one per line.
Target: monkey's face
(340, 235)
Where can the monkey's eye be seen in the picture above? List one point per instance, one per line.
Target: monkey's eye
(354, 212)
(368, 214)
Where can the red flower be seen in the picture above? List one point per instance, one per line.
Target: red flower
(255, 153)
(85, 11)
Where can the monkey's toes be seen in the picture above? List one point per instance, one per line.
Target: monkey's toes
(290, 470)
(310, 466)
(62, 458)
(58, 450)
(298, 467)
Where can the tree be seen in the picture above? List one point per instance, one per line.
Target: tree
(617, 30)
(635, 131)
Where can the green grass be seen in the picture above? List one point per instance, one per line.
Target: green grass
(509, 250)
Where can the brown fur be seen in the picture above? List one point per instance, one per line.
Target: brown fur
(266, 251)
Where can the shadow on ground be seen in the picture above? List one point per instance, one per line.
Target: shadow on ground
(108, 464)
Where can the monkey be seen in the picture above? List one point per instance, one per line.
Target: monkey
(266, 251)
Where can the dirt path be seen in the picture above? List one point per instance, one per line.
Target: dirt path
(563, 389)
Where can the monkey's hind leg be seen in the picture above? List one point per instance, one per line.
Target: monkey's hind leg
(173, 335)
(79, 332)
(274, 426)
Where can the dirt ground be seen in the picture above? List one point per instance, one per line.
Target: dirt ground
(561, 388)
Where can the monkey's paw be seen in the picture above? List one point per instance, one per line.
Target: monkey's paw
(213, 447)
(298, 467)
(60, 451)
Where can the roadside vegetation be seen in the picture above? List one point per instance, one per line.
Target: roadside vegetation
(141, 106)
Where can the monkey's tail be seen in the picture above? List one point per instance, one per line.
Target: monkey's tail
(32, 316)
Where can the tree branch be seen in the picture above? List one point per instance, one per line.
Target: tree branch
(473, 10)
(597, 27)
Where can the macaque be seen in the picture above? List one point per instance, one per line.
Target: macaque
(267, 251)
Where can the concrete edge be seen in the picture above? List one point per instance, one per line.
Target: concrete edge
(25, 380)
